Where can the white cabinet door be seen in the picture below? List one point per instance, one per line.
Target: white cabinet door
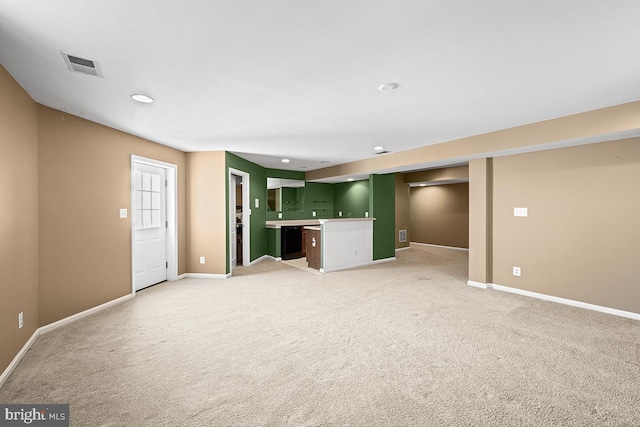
(149, 226)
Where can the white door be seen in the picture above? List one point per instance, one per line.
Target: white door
(149, 226)
(233, 242)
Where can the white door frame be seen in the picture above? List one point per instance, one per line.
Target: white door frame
(246, 218)
(172, 214)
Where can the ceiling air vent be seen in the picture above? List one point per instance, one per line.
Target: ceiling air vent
(82, 65)
(383, 152)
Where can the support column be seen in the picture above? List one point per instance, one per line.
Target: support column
(480, 222)
(382, 208)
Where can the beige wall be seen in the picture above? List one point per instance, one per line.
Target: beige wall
(581, 240)
(84, 179)
(439, 215)
(619, 118)
(402, 210)
(480, 224)
(206, 193)
(440, 174)
(18, 217)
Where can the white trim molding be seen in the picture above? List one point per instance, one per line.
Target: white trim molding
(246, 216)
(455, 248)
(477, 284)
(257, 260)
(14, 363)
(206, 276)
(78, 316)
(403, 249)
(51, 326)
(580, 304)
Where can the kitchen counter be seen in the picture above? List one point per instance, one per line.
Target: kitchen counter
(339, 242)
(302, 222)
(291, 223)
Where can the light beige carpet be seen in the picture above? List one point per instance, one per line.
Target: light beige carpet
(404, 343)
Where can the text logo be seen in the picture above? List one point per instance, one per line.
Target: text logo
(34, 415)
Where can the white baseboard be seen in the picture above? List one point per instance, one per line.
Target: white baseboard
(271, 257)
(566, 301)
(50, 327)
(455, 248)
(477, 284)
(261, 258)
(14, 363)
(349, 267)
(206, 276)
(182, 276)
(73, 318)
(403, 249)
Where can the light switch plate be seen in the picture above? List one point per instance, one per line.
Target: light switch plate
(257, 203)
(520, 212)
(123, 213)
(279, 214)
(517, 271)
(201, 260)
(339, 213)
(366, 214)
(313, 213)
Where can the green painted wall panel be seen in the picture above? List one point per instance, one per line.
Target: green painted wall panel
(273, 242)
(318, 197)
(351, 198)
(382, 190)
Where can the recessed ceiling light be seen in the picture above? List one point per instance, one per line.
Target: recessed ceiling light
(423, 185)
(379, 148)
(350, 179)
(285, 160)
(142, 98)
(387, 87)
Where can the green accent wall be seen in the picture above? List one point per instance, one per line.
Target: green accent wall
(285, 174)
(273, 242)
(318, 197)
(382, 191)
(351, 198)
(290, 199)
(257, 190)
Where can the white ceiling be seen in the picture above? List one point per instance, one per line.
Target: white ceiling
(299, 78)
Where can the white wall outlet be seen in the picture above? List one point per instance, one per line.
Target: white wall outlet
(257, 203)
(201, 260)
(516, 271)
(366, 214)
(20, 320)
(123, 213)
(520, 212)
(279, 214)
(339, 213)
(313, 213)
